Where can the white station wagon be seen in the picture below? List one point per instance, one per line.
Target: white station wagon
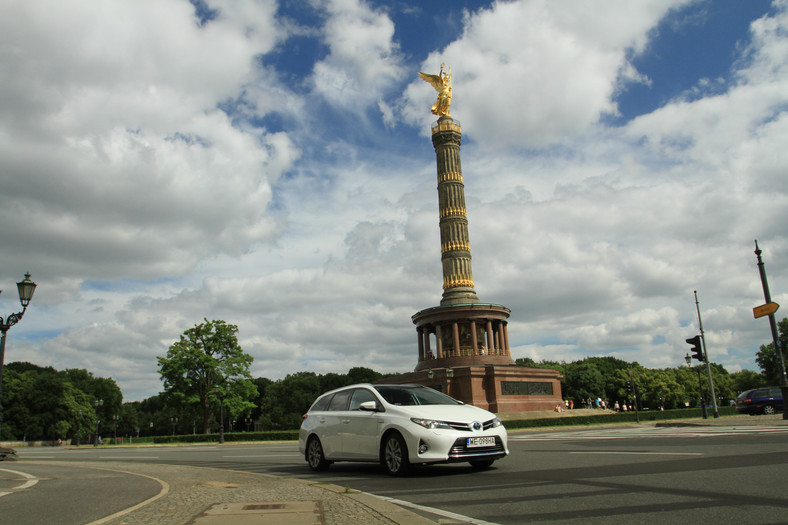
(398, 426)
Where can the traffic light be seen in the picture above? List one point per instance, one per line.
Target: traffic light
(697, 351)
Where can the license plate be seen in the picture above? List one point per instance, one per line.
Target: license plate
(480, 442)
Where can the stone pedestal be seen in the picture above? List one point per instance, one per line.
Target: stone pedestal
(497, 388)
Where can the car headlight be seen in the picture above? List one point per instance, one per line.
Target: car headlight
(496, 422)
(430, 423)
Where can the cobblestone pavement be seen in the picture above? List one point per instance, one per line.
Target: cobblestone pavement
(206, 496)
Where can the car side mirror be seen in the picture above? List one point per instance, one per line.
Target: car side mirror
(369, 406)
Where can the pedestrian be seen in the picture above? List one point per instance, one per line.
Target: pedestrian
(571, 404)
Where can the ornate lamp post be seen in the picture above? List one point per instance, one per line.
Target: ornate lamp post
(115, 421)
(97, 403)
(222, 393)
(26, 289)
(174, 421)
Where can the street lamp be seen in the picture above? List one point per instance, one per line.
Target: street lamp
(222, 393)
(97, 403)
(115, 421)
(79, 427)
(174, 421)
(26, 289)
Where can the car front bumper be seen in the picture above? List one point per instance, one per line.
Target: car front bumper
(448, 446)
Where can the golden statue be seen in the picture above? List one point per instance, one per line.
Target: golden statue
(442, 84)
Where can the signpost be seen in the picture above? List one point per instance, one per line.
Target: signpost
(765, 309)
(769, 310)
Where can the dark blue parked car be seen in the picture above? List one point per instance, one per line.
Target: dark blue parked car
(766, 400)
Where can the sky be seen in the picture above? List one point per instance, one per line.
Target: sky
(269, 164)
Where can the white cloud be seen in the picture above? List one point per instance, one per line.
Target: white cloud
(364, 60)
(528, 74)
(141, 207)
(113, 148)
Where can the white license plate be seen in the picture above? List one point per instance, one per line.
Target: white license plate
(480, 442)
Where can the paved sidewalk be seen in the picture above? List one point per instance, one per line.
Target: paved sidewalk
(204, 496)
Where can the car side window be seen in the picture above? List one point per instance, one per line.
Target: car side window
(339, 401)
(321, 405)
(361, 395)
(774, 391)
(761, 392)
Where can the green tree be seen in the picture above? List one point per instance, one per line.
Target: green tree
(206, 365)
(747, 380)
(767, 358)
(583, 380)
(288, 399)
(43, 404)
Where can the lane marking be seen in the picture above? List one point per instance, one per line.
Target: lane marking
(267, 456)
(433, 510)
(165, 488)
(31, 480)
(128, 457)
(623, 452)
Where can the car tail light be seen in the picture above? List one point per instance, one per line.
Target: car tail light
(304, 417)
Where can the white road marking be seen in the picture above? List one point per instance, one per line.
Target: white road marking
(267, 456)
(618, 453)
(31, 480)
(128, 457)
(645, 431)
(433, 510)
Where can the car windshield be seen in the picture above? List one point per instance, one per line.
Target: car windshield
(414, 395)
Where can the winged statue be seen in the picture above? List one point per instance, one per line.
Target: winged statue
(442, 84)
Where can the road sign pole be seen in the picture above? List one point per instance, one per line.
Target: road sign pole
(773, 324)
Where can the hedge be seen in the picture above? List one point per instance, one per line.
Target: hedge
(271, 435)
(617, 417)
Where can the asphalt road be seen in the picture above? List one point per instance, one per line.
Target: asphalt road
(638, 474)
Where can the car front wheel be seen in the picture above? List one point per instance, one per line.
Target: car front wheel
(769, 410)
(395, 455)
(314, 455)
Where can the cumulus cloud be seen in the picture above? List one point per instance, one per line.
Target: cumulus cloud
(528, 74)
(158, 169)
(113, 148)
(364, 59)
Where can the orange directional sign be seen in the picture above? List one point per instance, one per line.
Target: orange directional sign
(765, 309)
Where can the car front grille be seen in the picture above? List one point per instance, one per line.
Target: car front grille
(466, 427)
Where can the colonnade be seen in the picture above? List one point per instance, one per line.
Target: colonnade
(463, 338)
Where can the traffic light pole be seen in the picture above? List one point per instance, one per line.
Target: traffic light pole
(706, 358)
(773, 324)
(702, 401)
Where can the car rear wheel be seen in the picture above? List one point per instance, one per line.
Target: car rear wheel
(314, 455)
(769, 410)
(481, 463)
(395, 455)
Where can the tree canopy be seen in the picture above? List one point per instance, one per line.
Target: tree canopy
(767, 358)
(43, 403)
(207, 367)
